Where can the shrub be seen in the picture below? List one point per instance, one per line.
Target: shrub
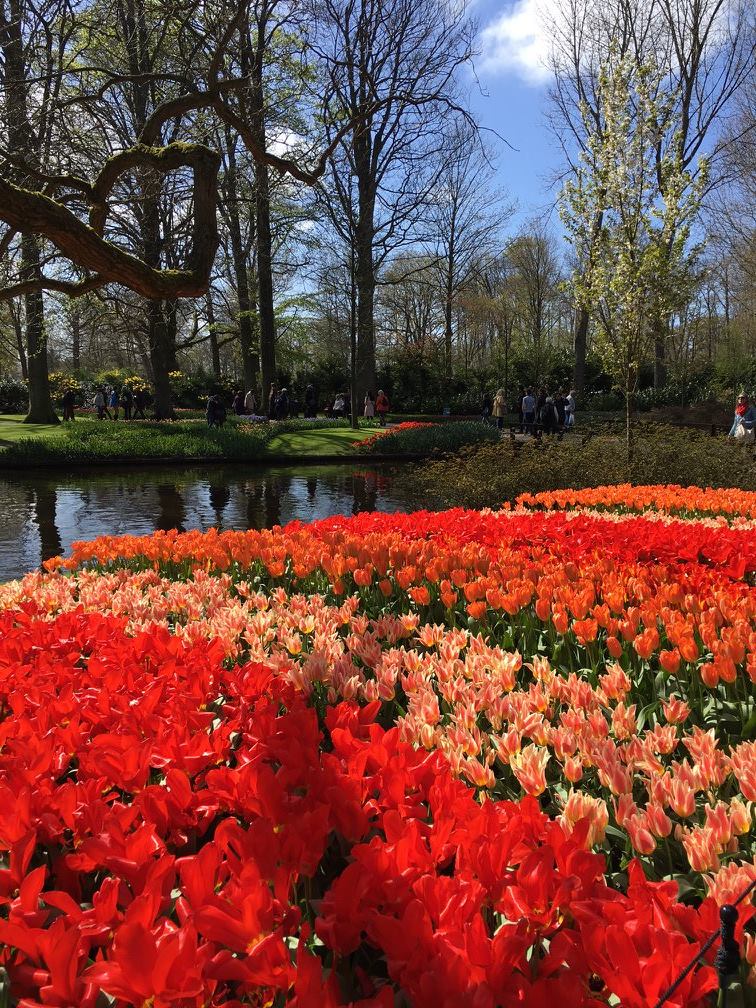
(489, 475)
(14, 397)
(61, 383)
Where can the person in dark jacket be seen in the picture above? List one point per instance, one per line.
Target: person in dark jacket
(486, 407)
(126, 402)
(140, 401)
(311, 402)
(282, 404)
(272, 396)
(68, 404)
(238, 404)
(541, 398)
(549, 416)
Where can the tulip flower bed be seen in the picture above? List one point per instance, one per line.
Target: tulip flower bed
(468, 758)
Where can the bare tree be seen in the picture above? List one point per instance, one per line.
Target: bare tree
(466, 222)
(392, 70)
(536, 275)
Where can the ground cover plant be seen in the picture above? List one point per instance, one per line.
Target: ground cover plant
(488, 474)
(468, 758)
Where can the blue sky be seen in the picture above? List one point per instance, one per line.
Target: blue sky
(513, 76)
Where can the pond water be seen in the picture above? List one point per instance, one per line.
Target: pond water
(42, 514)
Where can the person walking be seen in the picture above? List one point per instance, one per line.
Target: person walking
(272, 395)
(282, 404)
(113, 402)
(540, 405)
(499, 408)
(528, 411)
(382, 406)
(310, 402)
(68, 404)
(338, 409)
(745, 419)
(549, 416)
(486, 407)
(570, 407)
(127, 399)
(369, 411)
(520, 397)
(140, 400)
(237, 404)
(560, 401)
(250, 405)
(216, 412)
(99, 403)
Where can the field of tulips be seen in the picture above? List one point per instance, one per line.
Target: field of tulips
(468, 758)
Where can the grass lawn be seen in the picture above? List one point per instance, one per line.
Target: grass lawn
(321, 441)
(13, 429)
(89, 440)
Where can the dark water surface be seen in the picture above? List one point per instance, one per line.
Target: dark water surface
(42, 514)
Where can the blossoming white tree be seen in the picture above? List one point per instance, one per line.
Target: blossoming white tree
(639, 261)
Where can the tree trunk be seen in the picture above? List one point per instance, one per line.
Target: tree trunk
(162, 339)
(214, 347)
(365, 370)
(660, 367)
(75, 339)
(581, 342)
(364, 236)
(265, 306)
(448, 305)
(41, 409)
(161, 336)
(629, 446)
(20, 347)
(19, 137)
(353, 391)
(448, 330)
(241, 273)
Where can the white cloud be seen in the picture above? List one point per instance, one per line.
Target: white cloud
(517, 41)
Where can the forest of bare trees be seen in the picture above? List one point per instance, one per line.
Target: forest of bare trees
(254, 189)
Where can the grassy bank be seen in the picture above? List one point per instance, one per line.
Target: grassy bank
(93, 441)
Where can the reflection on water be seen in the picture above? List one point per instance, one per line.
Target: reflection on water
(41, 515)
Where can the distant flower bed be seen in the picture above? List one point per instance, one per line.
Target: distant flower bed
(674, 500)
(413, 437)
(397, 429)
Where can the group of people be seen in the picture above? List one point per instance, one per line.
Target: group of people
(373, 406)
(244, 405)
(108, 400)
(376, 407)
(282, 405)
(541, 412)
